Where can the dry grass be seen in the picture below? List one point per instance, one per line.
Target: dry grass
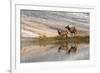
(56, 40)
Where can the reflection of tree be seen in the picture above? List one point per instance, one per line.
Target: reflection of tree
(68, 48)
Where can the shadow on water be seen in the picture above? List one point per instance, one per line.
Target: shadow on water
(45, 51)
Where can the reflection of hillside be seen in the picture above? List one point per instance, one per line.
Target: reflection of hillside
(35, 50)
(31, 52)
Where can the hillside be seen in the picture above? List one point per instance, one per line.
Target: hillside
(36, 23)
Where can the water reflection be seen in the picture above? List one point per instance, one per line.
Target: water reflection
(64, 51)
(68, 49)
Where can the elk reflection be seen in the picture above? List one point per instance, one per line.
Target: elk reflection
(63, 46)
(68, 48)
(73, 49)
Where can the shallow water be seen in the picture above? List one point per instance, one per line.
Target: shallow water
(53, 52)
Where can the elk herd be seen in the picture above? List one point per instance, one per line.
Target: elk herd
(68, 30)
